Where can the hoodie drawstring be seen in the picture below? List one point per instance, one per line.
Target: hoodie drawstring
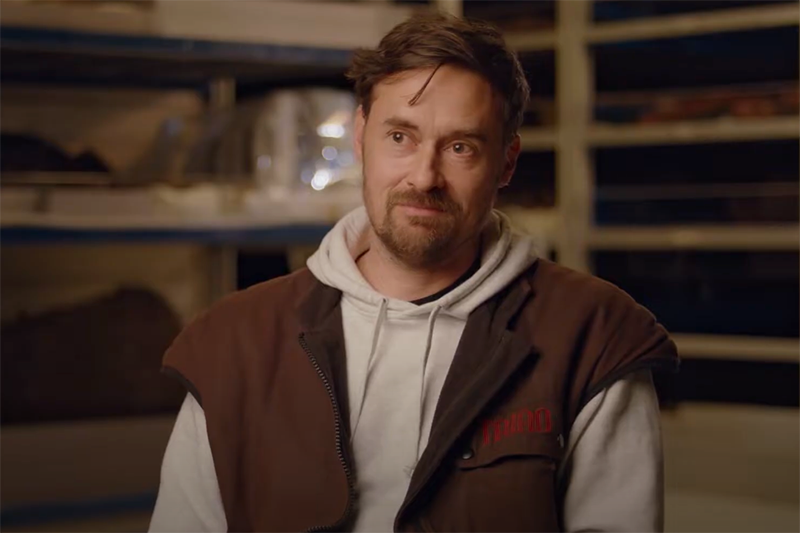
(425, 355)
(376, 332)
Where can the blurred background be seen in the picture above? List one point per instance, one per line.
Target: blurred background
(158, 154)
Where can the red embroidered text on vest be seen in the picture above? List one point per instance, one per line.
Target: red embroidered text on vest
(523, 421)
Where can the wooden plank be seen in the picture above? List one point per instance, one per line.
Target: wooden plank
(717, 237)
(720, 130)
(671, 26)
(763, 349)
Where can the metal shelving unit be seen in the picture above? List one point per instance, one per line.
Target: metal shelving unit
(159, 42)
(220, 44)
(575, 137)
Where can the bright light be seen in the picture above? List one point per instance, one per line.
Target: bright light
(321, 179)
(331, 130)
(329, 153)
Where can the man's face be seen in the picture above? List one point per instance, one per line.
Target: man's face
(432, 169)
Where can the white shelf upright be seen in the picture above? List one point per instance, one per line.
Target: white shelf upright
(574, 168)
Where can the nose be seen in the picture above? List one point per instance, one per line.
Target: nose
(427, 173)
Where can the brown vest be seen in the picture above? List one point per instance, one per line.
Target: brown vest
(268, 366)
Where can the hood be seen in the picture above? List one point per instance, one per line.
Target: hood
(505, 255)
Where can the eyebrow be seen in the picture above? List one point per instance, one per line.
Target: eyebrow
(396, 122)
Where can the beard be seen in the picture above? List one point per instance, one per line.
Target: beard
(420, 241)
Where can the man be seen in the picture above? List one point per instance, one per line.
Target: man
(426, 371)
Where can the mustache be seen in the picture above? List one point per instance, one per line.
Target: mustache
(436, 199)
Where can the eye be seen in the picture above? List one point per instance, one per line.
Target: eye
(461, 149)
(398, 137)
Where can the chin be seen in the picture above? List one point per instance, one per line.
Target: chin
(417, 245)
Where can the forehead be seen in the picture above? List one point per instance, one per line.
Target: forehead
(454, 98)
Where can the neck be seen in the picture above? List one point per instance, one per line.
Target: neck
(396, 280)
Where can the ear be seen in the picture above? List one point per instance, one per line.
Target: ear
(359, 123)
(512, 154)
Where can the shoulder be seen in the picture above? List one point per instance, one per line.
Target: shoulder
(269, 297)
(579, 294)
(283, 290)
(248, 314)
(603, 326)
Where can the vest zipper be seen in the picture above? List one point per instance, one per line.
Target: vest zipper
(338, 435)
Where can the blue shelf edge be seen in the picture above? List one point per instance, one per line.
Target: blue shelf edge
(43, 513)
(276, 235)
(41, 39)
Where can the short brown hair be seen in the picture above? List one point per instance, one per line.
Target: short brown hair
(431, 40)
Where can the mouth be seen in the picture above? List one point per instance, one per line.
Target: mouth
(420, 211)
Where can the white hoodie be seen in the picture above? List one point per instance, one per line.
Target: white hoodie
(398, 355)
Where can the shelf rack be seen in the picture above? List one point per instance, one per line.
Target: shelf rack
(157, 39)
(219, 44)
(234, 34)
(576, 135)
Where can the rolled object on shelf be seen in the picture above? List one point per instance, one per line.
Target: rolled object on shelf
(98, 358)
(746, 101)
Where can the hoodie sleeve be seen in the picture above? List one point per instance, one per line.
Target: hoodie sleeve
(612, 478)
(188, 497)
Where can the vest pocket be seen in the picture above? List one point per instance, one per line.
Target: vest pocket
(491, 446)
(505, 485)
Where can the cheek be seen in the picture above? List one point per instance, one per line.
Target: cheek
(383, 171)
(472, 186)
(381, 177)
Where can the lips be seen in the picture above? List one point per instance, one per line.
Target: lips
(425, 207)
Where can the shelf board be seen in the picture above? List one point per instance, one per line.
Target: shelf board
(215, 21)
(537, 139)
(696, 132)
(671, 26)
(707, 237)
(531, 41)
(287, 235)
(180, 43)
(738, 347)
(202, 214)
(696, 191)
